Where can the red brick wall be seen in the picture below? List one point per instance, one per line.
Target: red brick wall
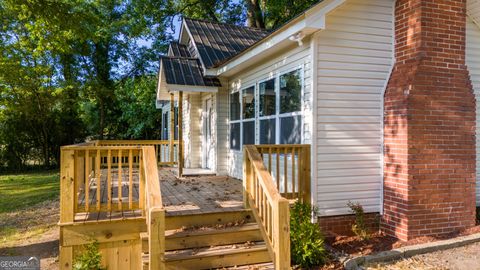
(429, 126)
(342, 225)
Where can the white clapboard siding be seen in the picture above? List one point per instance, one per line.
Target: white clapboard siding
(292, 58)
(473, 63)
(473, 10)
(354, 60)
(222, 110)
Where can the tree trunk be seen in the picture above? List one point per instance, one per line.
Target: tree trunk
(254, 14)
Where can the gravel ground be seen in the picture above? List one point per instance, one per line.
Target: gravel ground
(463, 258)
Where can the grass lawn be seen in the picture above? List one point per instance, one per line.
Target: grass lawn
(28, 207)
(23, 190)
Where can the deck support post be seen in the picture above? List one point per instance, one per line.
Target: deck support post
(172, 127)
(67, 203)
(180, 134)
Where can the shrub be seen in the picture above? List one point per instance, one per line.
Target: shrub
(359, 228)
(89, 259)
(306, 239)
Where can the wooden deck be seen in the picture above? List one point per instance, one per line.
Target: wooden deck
(185, 196)
(199, 194)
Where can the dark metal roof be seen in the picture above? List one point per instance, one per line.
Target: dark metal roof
(178, 50)
(218, 42)
(186, 71)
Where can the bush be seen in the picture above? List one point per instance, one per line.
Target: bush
(359, 228)
(306, 239)
(89, 259)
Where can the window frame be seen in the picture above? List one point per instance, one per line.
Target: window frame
(277, 116)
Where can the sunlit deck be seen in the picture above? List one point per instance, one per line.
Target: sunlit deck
(189, 195)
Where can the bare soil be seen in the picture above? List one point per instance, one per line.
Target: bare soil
(32, 232)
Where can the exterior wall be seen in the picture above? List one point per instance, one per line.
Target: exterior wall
(343, 224)
(222, 114)
(473, 63)
(354, 59)
(191, 131)
(292, 58)
(430, 119)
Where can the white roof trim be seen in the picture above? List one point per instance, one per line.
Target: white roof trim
(311, 21)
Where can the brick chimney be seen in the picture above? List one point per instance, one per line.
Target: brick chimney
(429, 131)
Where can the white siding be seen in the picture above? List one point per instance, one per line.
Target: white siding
(473, 63)
(204, 98)
(191, 131)
(354, 60)
(473, 10)
(222, 113)
(294, 57)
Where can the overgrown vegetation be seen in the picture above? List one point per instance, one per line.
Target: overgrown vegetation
(306, 239)
(89, 259)
(359, 228)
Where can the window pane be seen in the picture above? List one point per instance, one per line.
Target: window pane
(235, 106)
(235, 136)
(290, 92)
(267, 98)
(290, 130)
(267, 131)
(248, 99)
(249, 132)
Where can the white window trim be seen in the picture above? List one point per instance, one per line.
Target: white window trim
(277, 116)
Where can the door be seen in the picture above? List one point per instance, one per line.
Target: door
(208, 153)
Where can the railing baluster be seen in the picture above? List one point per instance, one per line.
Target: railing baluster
(270, 160)
(285, 176)
(98, 176)
(278, 169)
(130, 179)
(293, 172)
(109, 180)
(119, 181)
(87, 180)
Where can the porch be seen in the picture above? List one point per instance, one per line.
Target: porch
(129, 198)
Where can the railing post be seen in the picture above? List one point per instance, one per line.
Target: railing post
(156, 242)
(180, 134)
(307, 196)
(247, 175)
(67, 196)
(172, 127)
(282, 234)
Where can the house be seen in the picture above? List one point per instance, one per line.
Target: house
(383, 91)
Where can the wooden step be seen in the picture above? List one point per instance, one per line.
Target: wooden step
(207, 237)
(215, 257)
(197, 220)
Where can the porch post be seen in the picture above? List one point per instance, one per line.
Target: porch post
(180, 134)
(172, 127)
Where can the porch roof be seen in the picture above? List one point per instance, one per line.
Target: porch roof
(183, 74)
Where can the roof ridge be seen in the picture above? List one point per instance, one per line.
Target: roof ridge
(229, 24)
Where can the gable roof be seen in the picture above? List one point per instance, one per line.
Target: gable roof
(218, 42)
(178, 50)
(186, 71)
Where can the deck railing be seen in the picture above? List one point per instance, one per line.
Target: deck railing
(111, 180)
(263, 192)
(166, 152)
(289, 165)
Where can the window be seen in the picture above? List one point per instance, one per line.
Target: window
(267, 96)
(235, 106)
(290, 92)
(274, 109)
(235, 136)
(248, 103)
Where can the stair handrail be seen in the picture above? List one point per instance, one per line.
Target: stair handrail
(269, 208)
(155, 212)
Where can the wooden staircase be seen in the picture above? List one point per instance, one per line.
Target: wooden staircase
(211, 241)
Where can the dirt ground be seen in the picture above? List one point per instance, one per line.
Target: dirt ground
(463, 258)
(32, 232)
